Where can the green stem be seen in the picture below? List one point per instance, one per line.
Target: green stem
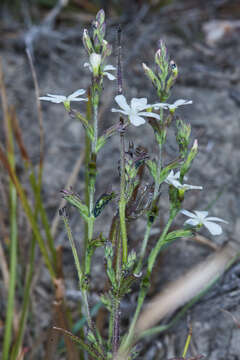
(145, 283)
(143, 248)
(13, 272)
(95, 92)
(159, 167)
(131, 332)
(122, 203)
(116, 325)
(13, 242)
(74, 250)
(155, 251)
(87, 162)
(26, 299)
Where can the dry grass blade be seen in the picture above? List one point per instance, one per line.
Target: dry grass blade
(18, 136)
(39, 109)
(4, 268)
(185, 288)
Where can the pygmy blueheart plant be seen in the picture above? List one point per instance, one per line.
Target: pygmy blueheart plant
(138, 196)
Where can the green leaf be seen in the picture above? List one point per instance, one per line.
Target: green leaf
(152, 166)
(74, 200)
(100, 142)
(178, 234)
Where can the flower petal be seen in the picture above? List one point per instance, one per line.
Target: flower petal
(59, 97)
(120, 111)
(192, 222)
(157, 106)
(212, 218)
(213, 228)
(109, 68)
(191, 187)
(182, 102)
(122, 102)
(188, 213)
(53, 100)
(149, 114)
(109, 76)
(201, 214)
(77, 99)
(139, 104)
(76, 93)
(136, 120)
(86, 64)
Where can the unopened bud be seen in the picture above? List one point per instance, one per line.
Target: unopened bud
(108, 249)
(183, 136)
(106, 49)
(100, 17)
(174, 68)
(87, 42)
(101, 26)
(191, 156)
(150, 74)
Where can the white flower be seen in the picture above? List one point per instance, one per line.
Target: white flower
(107, 68)
(173, 179)
(135, 111)
(200, 218)
(95, 61)
(63, 99)
(172, 107)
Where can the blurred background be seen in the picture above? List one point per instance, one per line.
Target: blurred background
(203, 37)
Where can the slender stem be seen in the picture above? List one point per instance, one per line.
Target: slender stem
(122, 203)
(73, 247)
(95, 122)
(87, 308)
(159, 167)
(95, 93)
(145, 283)
(13, 237)
(26, 299)
(143, 248)
(87, 162)
(116, 325)
(13, 272)
(155, 251)
(128, 340)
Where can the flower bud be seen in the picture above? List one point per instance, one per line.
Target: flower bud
(191, 156)
(87, 42)
(100, 18)
(106, 49)
(174, 68)
(183, 136)
(161, 58)
(108, 250)
(150, 74)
